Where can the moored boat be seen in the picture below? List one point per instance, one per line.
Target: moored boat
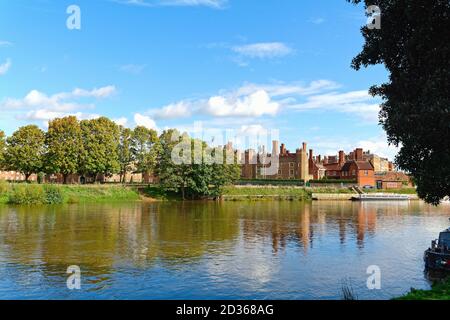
(437, 257)
(380, 197)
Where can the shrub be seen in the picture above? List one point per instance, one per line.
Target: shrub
(27, 194)
(4, 187)
(53, 195)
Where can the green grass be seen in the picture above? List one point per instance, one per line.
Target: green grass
(439, 291)
(399, 191)
(32, 194)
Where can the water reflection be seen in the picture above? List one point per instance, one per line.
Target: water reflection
(238, 249)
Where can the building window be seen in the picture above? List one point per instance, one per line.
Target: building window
(291, 172)
(291, 164)
(366, 173)
(354, 172)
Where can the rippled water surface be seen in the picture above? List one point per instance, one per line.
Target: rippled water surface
(236, 250)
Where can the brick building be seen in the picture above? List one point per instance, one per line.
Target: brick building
(291, 165)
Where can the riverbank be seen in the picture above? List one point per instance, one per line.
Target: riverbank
(439, 291)
(57, 194)
(32, 194)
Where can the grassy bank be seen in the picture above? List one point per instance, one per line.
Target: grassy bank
(439, 291)
(32, 194)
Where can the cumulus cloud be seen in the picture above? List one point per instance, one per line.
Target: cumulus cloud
(58, 102)
(4, 68)
(121, 121)
(180, 109)
(250, 100)
(255, 104)
(145, 121)
(39, 106)
(359, 103)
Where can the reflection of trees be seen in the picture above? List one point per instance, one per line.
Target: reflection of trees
(99, 238)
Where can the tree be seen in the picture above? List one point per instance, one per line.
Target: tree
(124, 152)
(65, 147)
(414, 46)
(100, 147)
(2, 149)
(25, 150)
(144, 147)
(197, 173)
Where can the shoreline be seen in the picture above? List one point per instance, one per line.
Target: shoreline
(30, 194)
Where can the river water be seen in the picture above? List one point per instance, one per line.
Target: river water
(207, 250)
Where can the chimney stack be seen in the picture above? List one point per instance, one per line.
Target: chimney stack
(283, 149)
(311, 154)
(341, 158)
(359, 154)
(304, 146)
(319, 158)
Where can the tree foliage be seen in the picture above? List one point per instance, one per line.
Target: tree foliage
(414, 46)
(100, 138)
(2, 149)
(144, 145)
(64, 146)
(196, 176)
(124, 151)
(25, 150)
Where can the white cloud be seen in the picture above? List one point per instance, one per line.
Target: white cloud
(5, 66)
(255, 104)
(360, 103)
(216, 4)
(250, 100)
(132, 68)
(180, 109)
(377, 145)
(263, 50)
(121, 121)
(58, 102)
(145, 121)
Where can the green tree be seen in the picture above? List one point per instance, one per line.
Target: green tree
(414, 46)
(100, 147)
(124, 152)
(2, 149)
(25, 150)
(65, 147)
(197, 173)
(144, 148)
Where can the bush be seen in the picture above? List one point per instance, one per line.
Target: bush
(53, 195)
(27, 194)
(4, 187)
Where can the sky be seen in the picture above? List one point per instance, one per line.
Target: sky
(240, 66)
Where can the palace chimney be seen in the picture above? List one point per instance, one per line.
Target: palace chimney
(341, 158)
(359, 154)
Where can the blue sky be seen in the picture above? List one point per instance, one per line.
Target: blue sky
(245, 65)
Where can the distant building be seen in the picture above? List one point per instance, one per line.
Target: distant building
(393, 180)
(290, 165)
(15, 176)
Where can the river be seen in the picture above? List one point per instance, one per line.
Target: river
(208, 250)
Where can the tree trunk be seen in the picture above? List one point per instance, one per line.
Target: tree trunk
(27, 176)
(65, 177)
(182, 192)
